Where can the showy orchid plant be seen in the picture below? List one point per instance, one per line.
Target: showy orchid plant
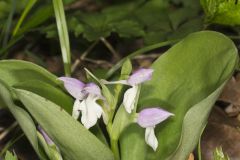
(153, 113)
(86, 96)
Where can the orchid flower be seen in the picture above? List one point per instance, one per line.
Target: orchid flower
(85, 96)
(148, 118)
(134, 80)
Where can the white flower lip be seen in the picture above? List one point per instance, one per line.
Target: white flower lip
(151, 138)
(91, 111)
(129, 98)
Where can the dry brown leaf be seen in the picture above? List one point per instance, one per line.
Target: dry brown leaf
(221, 131)
(231, 94)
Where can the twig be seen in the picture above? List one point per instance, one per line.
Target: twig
(76, 5)
(10, 143)
(9, 129)
(234, 37)
(110, 47)
(82, 57)
(154, 55)
(138, 52)
(99, 62)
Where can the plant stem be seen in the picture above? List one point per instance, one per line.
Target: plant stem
(199, 150)
(115, 149)
(83, 56)
(113, 142)
(110, 47)
(8, 130)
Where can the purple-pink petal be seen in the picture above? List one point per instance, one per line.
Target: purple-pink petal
(73, 86)
(92, 88)
(140, 76)
(150, 117)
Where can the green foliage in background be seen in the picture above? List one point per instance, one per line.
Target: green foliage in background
(226, 12)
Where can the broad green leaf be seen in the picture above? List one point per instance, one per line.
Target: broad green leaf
(16, 71)
(10, 156)
(186, 81)
(226, 12)
(190, 133)
(74, 141)
(22, 117)
(49, 92)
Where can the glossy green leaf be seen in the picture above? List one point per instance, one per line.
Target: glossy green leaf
(74, 141)
(186, 82)
(190, 133)
(16, 71)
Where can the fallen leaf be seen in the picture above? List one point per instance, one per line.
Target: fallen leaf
(221, 131)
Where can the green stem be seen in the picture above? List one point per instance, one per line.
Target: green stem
(113, 142)
(199, 150)
(115, 149)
